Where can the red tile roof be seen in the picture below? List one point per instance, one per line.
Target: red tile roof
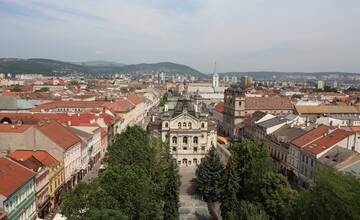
(12, 176)
(310, 136)
(59, 134)
(75, 118)
(275, 102)
(69, 104)
(219, 107)
(43, 156)
(327, 141)
(135, 99)
(121, 105)
(10, 128)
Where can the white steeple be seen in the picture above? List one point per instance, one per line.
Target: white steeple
(215, 78)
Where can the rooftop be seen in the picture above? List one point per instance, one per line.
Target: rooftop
(59, 134)
(326, 109)
(276, 102)
(327, 141)
(43, 156)
(310, 136)
(14, 174)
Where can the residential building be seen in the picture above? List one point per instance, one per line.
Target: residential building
(42, 196)
(56, 171)
(246, 81)
(52, 137)
(17, 193)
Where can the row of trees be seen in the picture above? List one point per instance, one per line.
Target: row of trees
(248, 188)
(140, 181)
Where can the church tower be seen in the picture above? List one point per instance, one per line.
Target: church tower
(215, 78)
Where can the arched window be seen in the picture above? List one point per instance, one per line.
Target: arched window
(166, 124)
(195, 140)
(202, 125)
(184, 124)
(179, 124)
(185, 140)
(174, 140)
(189, 125)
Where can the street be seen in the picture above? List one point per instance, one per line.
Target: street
(191, 207)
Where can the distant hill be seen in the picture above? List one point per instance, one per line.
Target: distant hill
(43, 66)
(99, 63)
(50, 67)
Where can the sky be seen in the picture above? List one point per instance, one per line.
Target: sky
(240, 35)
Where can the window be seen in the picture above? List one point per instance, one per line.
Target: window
(174, 140)
(166, 124)
(174, 148)
(202, 125)
(179, 124)
(195, 149)
(189, 125)
(184, 124)
(185, 140)
(195, 140)
(202, 148)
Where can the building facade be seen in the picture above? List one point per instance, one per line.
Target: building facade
(190, 133)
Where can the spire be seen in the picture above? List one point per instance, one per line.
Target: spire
(214, 68)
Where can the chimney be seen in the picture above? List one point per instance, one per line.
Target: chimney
(196, 108)
(153, 118)
(166, 108)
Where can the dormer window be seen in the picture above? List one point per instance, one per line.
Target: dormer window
(179, 124)
(202, 125)
(166, 124)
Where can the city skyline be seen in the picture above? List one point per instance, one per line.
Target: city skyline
(239, 35)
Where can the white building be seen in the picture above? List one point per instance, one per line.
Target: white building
(189, 132)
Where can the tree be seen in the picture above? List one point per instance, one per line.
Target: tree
(130, 147)
(140, 181)
(164, 99)
(75, 202)
(171, 196)
(252, 211)
(252, 162)
(230, 187)
(105, 214)
(276, 195)
(16, 88)
(130, 189)
(208, 176)
(43, 89)
(335, 196)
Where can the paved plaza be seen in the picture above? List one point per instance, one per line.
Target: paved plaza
(191, 207)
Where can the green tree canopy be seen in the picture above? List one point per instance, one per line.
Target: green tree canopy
(251, 211)
(105, 214)
(252, 162)
(209, 174)
(230, 187)
(335, 196)
(140, 181)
